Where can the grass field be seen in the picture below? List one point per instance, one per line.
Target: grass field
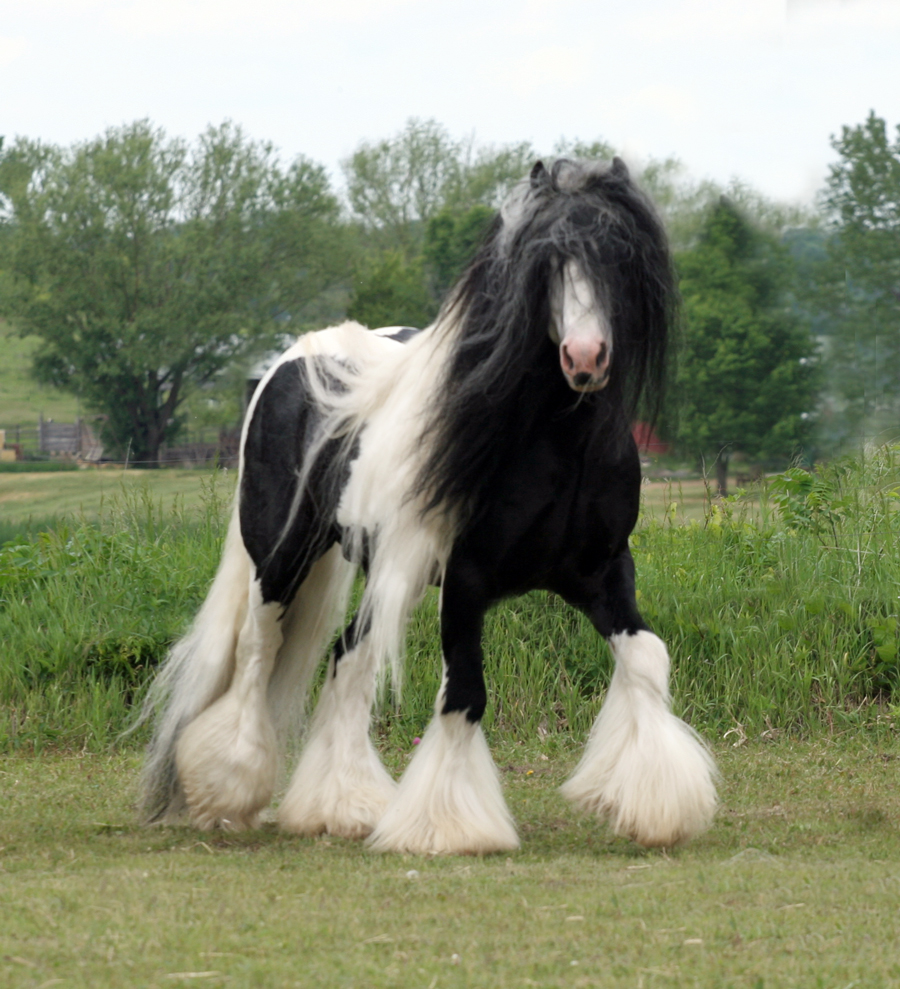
(783, 621)
(44, 496)
(22, 400)
(796, 884)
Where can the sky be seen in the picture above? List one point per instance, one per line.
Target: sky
(733, 88)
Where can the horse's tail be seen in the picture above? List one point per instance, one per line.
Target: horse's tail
(197, 671)
(200, 667)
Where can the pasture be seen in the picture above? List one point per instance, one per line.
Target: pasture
(796, 884)
(784, 635)
(41, 496)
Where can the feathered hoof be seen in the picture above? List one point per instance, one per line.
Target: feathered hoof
(449, 801)
(427, 836)
(659, 796)
(325, 810)
(226, 770)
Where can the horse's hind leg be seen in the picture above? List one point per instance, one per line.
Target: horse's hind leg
(450, 800)
(227, 757)
(340, 786)
(643, 768)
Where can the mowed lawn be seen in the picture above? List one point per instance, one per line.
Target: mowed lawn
(89, 492)
(39, 496)
(796, 884)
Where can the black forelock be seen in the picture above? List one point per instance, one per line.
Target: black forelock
(503, 373)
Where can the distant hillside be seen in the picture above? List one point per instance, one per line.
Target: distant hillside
(22, 399)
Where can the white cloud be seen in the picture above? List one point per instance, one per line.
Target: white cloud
(844, 13)
(678, 105)
(551, 66)
(164, 17)
(12, 49)
(706, 21)
(154, 18)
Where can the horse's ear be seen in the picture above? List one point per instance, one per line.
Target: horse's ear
(619, 169)
(538, 175)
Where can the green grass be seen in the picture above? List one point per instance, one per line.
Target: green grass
(39, 495)
(773, 627)
(785, 635)
(22, 399)
(795, 884)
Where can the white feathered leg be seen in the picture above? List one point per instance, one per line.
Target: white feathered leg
(227, 757)
(449, 801)
(340, 786)
(644, 769)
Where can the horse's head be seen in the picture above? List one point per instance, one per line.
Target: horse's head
(581, 328)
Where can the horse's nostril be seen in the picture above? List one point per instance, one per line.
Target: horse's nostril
(601, 355)
(567, 358)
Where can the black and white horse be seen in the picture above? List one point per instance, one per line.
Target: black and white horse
(490, 453)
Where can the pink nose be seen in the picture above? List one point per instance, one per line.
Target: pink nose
(584, 361)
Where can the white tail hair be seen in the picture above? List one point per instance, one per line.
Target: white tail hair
(199, 668)
(196, 673)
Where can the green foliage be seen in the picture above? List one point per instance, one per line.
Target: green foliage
(859, 286)
(451, 240)
(422, 201)
(392, 292)
(146, 266)
(746, 377)
(397, 185)
(36, 466)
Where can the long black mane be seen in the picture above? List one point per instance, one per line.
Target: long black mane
(503, 375)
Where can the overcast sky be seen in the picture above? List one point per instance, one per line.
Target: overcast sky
(747, 88)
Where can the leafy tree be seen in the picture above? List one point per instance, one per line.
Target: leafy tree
(451, 240)
(421, 201)
(859, 284)
(392, 292)
(396, 184)
(746, 376)
(147, 266)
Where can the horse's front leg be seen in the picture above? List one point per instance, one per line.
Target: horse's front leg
(227, 757)
(643, 768)
(450, 800)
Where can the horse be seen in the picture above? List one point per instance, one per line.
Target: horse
(490, 454)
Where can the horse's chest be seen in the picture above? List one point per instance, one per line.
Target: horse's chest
(552, 515)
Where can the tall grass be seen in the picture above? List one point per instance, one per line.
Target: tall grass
(786, 618)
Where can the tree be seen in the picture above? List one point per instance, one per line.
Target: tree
(451, 240)
(392, 292)
(147, 266)
(395, 185)
(746, 375)
(859, 284)
(422, 201)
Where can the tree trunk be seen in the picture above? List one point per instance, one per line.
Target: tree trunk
(722, 473)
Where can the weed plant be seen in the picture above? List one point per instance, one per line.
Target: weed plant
(779, 618)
